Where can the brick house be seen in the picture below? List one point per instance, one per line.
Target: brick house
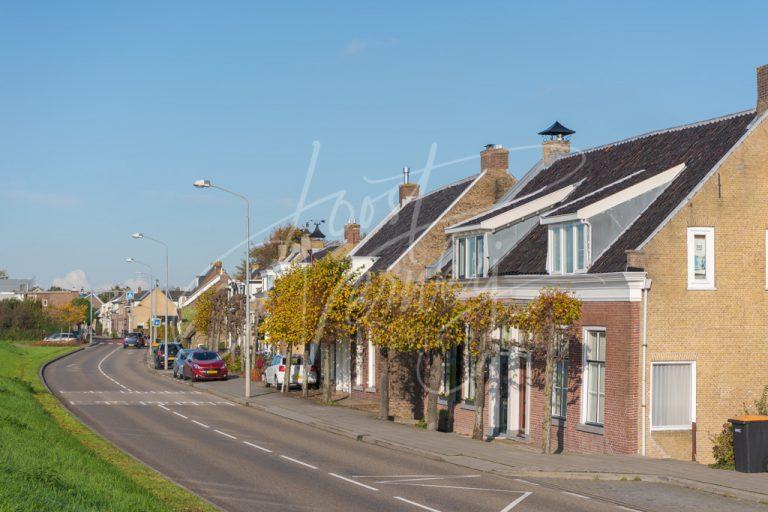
(405, 242)
(215, 278)
(56, 299)
(664, 237)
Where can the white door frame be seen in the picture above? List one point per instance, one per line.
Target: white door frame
(343, 374)
(513, 407)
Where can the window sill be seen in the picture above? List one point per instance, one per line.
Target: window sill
(357, 388)
(681, 428)
(370, 390)
(701, 288)
(467, 406)
(592, 429)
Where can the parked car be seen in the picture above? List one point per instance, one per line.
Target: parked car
(159, 355)
(204, 365)
(178, 362)
(61, 337)
(134, 339)
(274, 375)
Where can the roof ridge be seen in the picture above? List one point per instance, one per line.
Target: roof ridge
(448, 185)
(662, 131)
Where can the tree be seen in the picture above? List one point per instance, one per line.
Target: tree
(3, 273)
(482, 315)
(71, 314)
(547, 323)
(201, 318)
(55, 289)
(385, 319)
(436, 326)
(265, 254)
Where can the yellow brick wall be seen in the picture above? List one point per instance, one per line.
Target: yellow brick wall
(726, 330)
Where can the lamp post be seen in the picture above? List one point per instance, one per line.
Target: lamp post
(151, 304)
(208, 184)
(140, 236)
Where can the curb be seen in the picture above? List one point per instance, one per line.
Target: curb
(41, 371)
(685, 483)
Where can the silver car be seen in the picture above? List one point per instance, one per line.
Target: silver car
(274, 375)
(61, 337)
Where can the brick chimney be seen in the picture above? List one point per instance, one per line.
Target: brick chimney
(494, 160)
(352, 232)
(552, 150)
(762, 89)
(282, 251)
(408, 190)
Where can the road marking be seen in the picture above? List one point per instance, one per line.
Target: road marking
(297, 461)
(224, 434)
(423, 507)
(201, 424)
(258, 447)
(104, 373)
(627, 508)
(163, 407)
(353, 481)
(421, 479)
(180, 415)
(524, 481)
(516, 502)
(576, 495)
(462, 487)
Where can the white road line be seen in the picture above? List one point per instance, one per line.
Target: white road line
(353, 481)
(163, 407)
(224, 434)
(297, 461)
(180, 415)
(102, 370)
(423, 507)
(258, 447)
(627, 508)
(516, 502)
(524, 481)
(201, 424)
(421, 479)
(576, 495)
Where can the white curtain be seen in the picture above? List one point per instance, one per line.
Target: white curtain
(672, 395)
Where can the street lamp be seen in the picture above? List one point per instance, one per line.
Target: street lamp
(151, 304)
(139, 236)
(208, 184)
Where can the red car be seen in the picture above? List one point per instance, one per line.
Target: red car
(204, 365)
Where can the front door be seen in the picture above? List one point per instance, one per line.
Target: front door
(523, 391)
(503, 392)
(342, 367)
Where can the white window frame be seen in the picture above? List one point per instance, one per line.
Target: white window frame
(709, 237)
(45, 303)
(550, 247)
(585, 376)
(457, 258)
(371, 365)
(562, 391)
(693, 397)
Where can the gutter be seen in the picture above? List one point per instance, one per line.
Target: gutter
(643, 359)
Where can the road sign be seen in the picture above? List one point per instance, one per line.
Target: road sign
(156, 322)
(129, 295)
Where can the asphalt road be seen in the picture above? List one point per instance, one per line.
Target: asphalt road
(240, 458)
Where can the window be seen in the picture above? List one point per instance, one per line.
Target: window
(560, 389)
(452, 371)
(673, 395)
(568, 248)
(471, 257)
(468, 389)
(371, 365)
(45, 303)
(701, 258)
(594, 377)
(359, 363)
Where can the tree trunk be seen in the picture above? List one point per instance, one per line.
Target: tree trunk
(305, 363)
(384, 385)
(478, 429)
(327, 382)
(546, 439)
(287, 374)
(435, 372)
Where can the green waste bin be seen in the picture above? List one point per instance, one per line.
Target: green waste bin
(750, 443)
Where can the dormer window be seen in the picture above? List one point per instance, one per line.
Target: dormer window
(568, 243)
(470, 257)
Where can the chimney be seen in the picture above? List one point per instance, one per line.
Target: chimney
(352, 232)
(556, 144)
(494, 158)
(408, 190)
(282, 251)
(762, 89)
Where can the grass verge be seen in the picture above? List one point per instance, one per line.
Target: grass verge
(51, 461)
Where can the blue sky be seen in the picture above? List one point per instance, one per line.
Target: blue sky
(109, 110)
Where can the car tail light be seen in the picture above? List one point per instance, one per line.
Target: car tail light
(281, 368)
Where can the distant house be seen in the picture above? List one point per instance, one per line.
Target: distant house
(215, 278)
(55, 299)
(15, 288)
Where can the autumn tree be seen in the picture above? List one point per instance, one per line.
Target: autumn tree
(201, 317)
(71, 314)
(3, 273)
(435, 326)
(482, 315)
(547, 324)
(265, 254)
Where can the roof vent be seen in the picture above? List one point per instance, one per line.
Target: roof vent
(557, 132)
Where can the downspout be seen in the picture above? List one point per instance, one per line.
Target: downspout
(643, 400)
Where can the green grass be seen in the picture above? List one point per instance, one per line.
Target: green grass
(51, 461)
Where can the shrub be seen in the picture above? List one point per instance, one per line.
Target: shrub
(722, 448)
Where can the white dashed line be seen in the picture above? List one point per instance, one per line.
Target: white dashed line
(104, 373)
(423, 507)
(297, 461)
(576, 495)
(258, 447)
(516, 502)
(353, 481)
(180, 415)
(524, 481)
(224, 434)
(201, 424)
(627, 508)
(163, 407)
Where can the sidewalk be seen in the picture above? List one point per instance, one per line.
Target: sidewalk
(501, 457)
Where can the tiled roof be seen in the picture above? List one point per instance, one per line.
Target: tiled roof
(394, 238)
(318, 254)
(700, 146)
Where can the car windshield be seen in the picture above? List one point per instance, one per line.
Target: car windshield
(206, 356)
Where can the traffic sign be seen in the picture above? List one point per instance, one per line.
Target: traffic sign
(156, 322)
(129, 295)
